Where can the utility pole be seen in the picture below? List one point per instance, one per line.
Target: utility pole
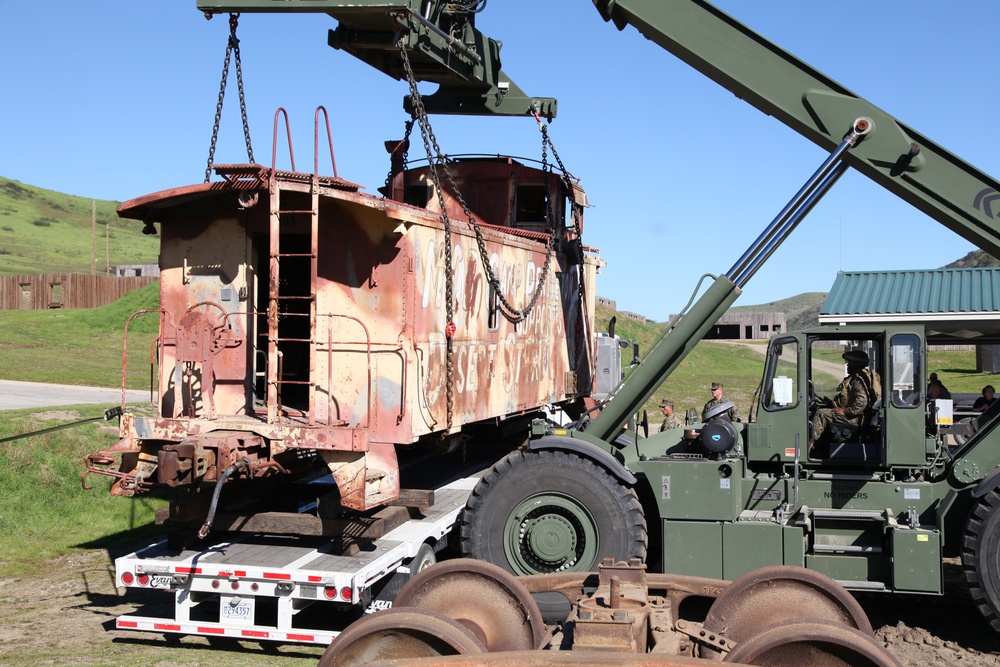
(93, 237)
(107, 248)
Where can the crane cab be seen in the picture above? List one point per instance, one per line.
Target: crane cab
(803, 374)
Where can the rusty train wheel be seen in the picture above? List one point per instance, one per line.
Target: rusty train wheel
(812, 644)
(400, 633)
(483, 597)
(780, 593)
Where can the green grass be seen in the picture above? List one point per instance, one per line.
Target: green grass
(42, 501)
(80, 346)
(957, 370)
(42, 231)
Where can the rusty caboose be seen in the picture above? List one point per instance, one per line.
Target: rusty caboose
(304, 322)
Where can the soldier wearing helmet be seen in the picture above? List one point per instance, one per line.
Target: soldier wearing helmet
(854, 396)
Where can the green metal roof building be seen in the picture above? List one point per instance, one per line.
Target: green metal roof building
(955, 305)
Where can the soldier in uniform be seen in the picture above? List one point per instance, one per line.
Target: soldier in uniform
(734, 414)
(670, 420)
(854, 393)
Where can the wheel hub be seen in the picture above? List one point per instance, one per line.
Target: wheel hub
(550, 533)
(551, 538)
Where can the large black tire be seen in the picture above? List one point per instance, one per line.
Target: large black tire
(550, 511)
(981, 556)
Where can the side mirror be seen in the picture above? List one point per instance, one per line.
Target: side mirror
(611, 326)
(645, 424)
(635, 354)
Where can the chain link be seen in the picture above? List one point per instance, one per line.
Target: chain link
(232, 49)
(436, 160)
(420, 114)
(582, 335)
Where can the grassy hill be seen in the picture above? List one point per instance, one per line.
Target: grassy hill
(42, 231)
(80, 346)
(975, 259)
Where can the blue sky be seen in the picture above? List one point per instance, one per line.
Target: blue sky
(116, 99)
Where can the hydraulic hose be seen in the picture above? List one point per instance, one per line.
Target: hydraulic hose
(243, 465)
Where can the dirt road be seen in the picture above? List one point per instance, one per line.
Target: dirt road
(65, 614)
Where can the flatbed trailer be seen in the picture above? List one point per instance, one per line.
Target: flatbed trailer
(259, 586)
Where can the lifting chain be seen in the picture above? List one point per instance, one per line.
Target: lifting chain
(405, 143)
(420, 114)
(232, 48)
(436, 159)
(582, 336)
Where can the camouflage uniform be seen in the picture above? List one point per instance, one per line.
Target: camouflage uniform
(670, 422)
(852, 396)
(733, 412)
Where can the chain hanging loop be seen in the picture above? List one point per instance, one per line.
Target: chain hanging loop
(232, 50)
(438, 160)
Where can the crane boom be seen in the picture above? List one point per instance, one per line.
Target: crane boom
(897, 157)
(441, 37)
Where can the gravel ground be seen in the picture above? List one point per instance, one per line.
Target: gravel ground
(65, 616)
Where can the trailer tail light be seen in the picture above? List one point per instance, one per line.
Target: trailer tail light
(330, 592)
(127, 578)
(346, 593)
(143, 579)
(215, 583)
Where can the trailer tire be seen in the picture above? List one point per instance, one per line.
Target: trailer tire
(981, 556)
(551, 511)
(423, 559)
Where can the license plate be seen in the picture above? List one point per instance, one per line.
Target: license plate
(160, 581)
(236, 610)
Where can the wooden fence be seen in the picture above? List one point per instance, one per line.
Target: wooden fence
(65, 290)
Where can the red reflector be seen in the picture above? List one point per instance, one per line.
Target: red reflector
(127, 624)
(240, 573)
(189, 570)
(345, 593)
(127, 578)
(330, 592)
(165, 626)
(314, 578)
(301, 638)
(212, 631)
(143, 579)
(255, 633)
(276, 575)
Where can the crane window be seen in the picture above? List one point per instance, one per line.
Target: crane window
(905, 371)
(781, 391)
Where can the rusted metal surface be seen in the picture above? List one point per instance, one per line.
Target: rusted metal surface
(482, 597)
(781, 593)
(619, 620)
(310, 317)
(813, 644)
(550, 659)
(400, 633)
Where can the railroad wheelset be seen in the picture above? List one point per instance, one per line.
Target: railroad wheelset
(467, 612)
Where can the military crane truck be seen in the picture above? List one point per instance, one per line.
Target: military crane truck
(880, 509)
(876, 513)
